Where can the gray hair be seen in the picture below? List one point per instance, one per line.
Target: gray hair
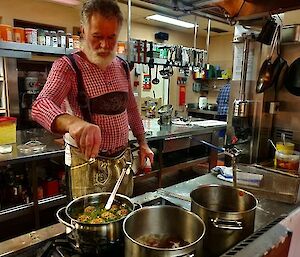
(106, 8)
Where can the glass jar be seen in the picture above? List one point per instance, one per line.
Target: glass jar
(47, 37)
(69, 41)
(61, 37)
(41, 37)
(76, 41)
(54, 40)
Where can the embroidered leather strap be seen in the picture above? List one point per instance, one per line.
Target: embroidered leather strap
(83, 99)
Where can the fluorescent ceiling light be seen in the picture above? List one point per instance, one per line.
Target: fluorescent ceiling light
(158, 17)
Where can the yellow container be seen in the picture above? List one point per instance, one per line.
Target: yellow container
(287, 148)
(8, 130)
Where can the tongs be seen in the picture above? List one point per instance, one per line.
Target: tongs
(117, 185)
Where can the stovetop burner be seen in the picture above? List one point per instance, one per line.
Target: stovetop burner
(65, 247)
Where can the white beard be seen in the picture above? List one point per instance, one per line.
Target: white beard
(93, 57)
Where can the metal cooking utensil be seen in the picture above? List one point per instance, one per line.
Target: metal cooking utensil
(117, 185)
(271, 141)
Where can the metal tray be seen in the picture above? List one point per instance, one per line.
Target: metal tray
(276, 185)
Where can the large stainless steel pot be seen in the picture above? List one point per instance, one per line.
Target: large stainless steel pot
(163, 220)
(228, 214)
(93, 234)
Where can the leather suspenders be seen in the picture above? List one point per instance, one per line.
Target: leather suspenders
(83, 99)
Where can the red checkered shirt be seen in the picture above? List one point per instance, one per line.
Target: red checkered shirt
(62, 84)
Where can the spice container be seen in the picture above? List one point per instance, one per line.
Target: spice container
(31, 36)
(54, 40)
(7, 130)
(6, 32)
(41, 37)
(47, 37)
(61, 37)
(76, 41)
(69, 41)
(19, 35)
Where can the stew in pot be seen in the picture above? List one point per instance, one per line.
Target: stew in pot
(97, 214)
(162, 241)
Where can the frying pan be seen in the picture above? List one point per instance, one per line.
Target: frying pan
(266, 71)
(292, 82)
(279, 66)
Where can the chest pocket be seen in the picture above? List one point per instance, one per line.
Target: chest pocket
(110, 103)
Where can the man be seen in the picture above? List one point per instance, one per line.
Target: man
(110, 105)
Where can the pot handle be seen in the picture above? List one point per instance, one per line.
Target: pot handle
(61, 219)
(227, 224)
(186, 255)
(137, 206)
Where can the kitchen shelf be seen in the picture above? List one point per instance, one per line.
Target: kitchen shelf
(52, 201)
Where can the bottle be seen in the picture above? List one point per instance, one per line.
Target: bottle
(47, 38)
(41, 37)
(61, 36)
(54, 40)
(69, 41)
(147, 167)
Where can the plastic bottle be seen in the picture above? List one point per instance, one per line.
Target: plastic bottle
(147, 168)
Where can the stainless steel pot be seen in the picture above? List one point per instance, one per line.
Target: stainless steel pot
(93, 234)
(228, 214)
(165, 114)
(163, 220)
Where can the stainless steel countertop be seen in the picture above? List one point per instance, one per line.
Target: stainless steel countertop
(266, 212)
(23, 136)
(153, 129)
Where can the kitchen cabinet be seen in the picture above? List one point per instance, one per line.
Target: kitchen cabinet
(18, 167)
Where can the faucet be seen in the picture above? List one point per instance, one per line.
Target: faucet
(233, 153)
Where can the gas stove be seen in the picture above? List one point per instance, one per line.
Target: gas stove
(64, 245)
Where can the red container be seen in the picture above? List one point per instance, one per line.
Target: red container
(51, 188)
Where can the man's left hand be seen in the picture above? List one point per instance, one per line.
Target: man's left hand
(145, 152)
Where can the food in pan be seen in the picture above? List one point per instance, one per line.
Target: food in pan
(97, 214)
(162, 241)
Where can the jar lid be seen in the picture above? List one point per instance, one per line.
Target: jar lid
(33, 146)
(3, 119)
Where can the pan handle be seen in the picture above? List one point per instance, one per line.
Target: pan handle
(227, 224)
(60, 218)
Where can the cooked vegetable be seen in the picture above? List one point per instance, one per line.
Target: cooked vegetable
(97, 214)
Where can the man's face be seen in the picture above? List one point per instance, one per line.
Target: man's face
(100, 39)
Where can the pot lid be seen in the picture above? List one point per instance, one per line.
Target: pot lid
(165, 109)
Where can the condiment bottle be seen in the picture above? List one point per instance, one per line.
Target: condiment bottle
(147, 167)
(54, 41)
(70, 41)
(61, 36)
(48, 37)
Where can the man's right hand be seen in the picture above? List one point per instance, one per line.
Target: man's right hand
(86, 135)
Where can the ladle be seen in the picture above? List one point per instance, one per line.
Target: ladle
(117, 185)
(155, 81)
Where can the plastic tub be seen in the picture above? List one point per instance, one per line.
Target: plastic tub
(8, 130)
(287, 148)
(287, 162)
(6, 32)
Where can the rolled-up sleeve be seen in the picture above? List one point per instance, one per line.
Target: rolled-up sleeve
(49, 103)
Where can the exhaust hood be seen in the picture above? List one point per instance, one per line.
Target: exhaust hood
(227, 11)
